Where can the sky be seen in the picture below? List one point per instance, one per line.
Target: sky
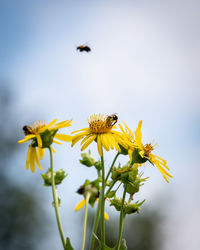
(143, 65)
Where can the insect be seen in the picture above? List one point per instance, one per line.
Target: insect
(111, 119)
(27, 130)
(83, 47)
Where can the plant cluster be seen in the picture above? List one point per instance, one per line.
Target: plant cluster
(103, 131)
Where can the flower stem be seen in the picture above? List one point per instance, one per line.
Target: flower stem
(85, 220)
(121, 221)
(110, 187)
(55, 198)
(112, 166)
(102, 201)
(95, 226)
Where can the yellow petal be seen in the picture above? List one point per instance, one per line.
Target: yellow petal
(131, 133)
(104, 142)
(41, 152)
(88, 142)
(106, 217)
(39, 140)
(62, 124)
(57, 142)
(83, 129)
(78, 137)
(130, 154)
(36, 159)
(51, 123)
(62, 137)
(138, 135)
(121, 128)
(110, 141)
(80, 205)
(53, 150)
(99, 145)
(32, 160)
(27, 138)
(85, 139)
(28, 158)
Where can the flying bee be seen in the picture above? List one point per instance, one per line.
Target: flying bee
(27, 130)
(83, 47)
(111, 120)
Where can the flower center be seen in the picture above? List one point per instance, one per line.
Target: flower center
(100, 124)
(33, 130)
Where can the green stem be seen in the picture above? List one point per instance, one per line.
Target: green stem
(95, 226)
(85, 220)
(102, 201)
(112, 166)
(55, 198)
(96, 220)
(110, 187)
(121, 221)
(130, 198)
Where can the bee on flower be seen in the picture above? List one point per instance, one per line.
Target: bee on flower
(145, 150)
(101, 129)
(42, 135)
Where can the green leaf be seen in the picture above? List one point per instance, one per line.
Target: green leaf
(123, 245)
(68, 245)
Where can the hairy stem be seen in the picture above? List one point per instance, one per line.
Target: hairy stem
(85, 220)
(121, 221)
(112, 166)
(55, 199)
(102, 201)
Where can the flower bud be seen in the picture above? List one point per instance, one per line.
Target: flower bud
(133, 208)
(117, 203)
(98, 165)
(59, 176)
(87, 159)
(127, 208)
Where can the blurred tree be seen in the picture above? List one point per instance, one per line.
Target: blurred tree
(141, 231)
(20, 222)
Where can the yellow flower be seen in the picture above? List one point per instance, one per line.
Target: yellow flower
(82, 203)
(102, 130)
(129, 138)
(42, 136)
(145, 152)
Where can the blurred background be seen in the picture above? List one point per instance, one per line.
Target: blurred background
(144, 64)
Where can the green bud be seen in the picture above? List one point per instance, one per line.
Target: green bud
(98, 165)
(59, 176)
(116, 202)
(126, 173)
(134, 187)
(136, 157)
(133, 208)
(87, 159)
